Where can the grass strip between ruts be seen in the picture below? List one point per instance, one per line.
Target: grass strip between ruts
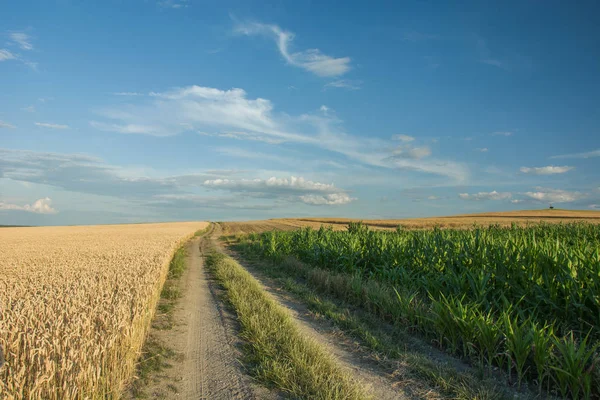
(277, 353)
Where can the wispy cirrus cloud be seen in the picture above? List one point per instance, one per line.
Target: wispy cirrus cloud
(174, 4)
(414, 36)
(403, 138)
(6, 55)
(502, 133)
(312, 60)
(344, 84)
(21, 39)
(586, 154)
(485, 55)
(127, 94)
(482, 149)
(233, 114)
(50, 125)
(408, 151)
(41, 206)
(6, 125)
(549, 170)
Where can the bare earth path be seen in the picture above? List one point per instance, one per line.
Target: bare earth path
(204, 337)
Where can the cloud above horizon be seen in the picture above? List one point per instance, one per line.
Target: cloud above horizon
(494, 195)
(40, 206)
(50, 125)
(549, 170)
(587, 154)
(292, 189)
(22, 39)
(312, 60)
(81, 173)
(6, 55)
(555, 195)
(233, 114)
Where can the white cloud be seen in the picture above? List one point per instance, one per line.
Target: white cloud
(293, 184)
(6, 55)
(293, 189)
(127, 128)
(328, 199)
(51, 126)
(311, 60)
(485, 55)
(85, 174)
(554, 195)
(324, 109)
(407, 151)
(232, 114)
(482, 149)
(127, 94)
(41, 206)
(502, 133)
(587, 154)
(173, 4)
(594, 206)
(243, 136)
(517, 201)
(29, 109)
(403, 138)
(494, 195)
(243, 153)
(549, 170)
(30, 64)
(433, 198)
(344, 84)
(494, 62)
(22, 39)
(6, 125)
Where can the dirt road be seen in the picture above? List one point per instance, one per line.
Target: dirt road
(204, 338)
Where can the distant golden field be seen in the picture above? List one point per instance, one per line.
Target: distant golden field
(457, 221)
(76, 303)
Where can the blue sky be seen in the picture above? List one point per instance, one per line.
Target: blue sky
(130, 111)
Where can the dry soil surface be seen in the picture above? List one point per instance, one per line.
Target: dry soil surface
(204, 337)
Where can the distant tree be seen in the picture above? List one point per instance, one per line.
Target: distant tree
(551, 207)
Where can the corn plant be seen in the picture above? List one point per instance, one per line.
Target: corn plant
(499, 295)
(519, 340)
(574, 370)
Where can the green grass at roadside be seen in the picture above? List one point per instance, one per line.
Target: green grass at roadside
(277, 353)
(398, 347)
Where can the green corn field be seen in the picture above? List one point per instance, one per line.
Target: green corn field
(525, 300)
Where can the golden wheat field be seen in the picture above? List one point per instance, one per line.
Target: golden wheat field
(76, 303)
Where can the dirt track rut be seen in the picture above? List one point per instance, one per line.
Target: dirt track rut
(204, 337)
